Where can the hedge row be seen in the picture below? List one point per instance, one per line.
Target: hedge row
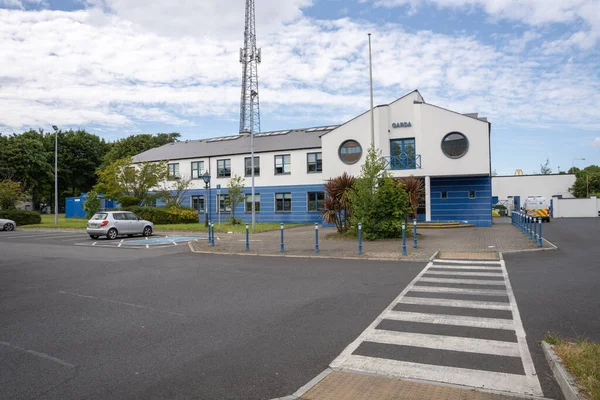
(163, 215)
(22, 217)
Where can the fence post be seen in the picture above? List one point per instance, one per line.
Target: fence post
(212, 228)
(359, 238)
(530, 227)
(247, 239)
(316, 237)
(415, 234)
(281, 248)
(404, 253)
(540, 241)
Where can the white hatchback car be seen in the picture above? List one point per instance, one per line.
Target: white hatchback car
(114, 223)
(7, 225)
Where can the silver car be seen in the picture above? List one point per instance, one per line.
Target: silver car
(114, 223)
(7, 225)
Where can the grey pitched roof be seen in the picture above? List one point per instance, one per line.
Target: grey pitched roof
(294, 139)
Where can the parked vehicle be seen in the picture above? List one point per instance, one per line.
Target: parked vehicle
(115, 223)
(7, 225)
(537, 207)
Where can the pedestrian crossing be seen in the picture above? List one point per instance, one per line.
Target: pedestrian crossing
(458, 323)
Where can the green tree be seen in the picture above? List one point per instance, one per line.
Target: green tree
(136, 144)
(378, 201)
(11, 193)
(235, 195)
(131, 184)
(173, 194)
(587, 182)
(573, 170)
(545, 168)
(92, 204)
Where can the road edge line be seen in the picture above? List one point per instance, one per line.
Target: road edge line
(563, 377)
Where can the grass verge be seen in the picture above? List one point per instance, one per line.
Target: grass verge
(582, 360)
(79, 223)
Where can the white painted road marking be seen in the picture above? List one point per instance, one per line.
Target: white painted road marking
(521, 381)
(41, 355)
(121, 302)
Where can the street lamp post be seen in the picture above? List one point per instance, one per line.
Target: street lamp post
(206, 179)
(577, 159)
(55, 174)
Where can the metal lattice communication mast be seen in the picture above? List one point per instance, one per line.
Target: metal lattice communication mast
(250, 58)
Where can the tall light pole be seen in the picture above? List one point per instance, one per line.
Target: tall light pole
(577, 159)
(371, 81)
(206, 178)
(55, 174)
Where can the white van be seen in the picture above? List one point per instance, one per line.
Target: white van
(537, 207)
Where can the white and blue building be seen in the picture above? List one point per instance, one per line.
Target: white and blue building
(449, 150)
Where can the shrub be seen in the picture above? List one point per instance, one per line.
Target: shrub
(22, 217)
(164, 215)
(92, 204)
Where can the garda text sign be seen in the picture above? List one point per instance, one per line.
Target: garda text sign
(401, 125)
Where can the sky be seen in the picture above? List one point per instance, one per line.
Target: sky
(121, 67)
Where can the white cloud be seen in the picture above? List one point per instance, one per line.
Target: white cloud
(531, 12)
(596, 143)
(94, 68)
(21, 3)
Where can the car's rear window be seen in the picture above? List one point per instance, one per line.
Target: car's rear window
(99, 216)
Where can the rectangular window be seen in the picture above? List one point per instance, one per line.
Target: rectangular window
(283, 202)
(224, 168)
(315, 201)
(248, 164)
(198, 203)
(248, 203)
(197, 169)
(472, 194)
(283, 164)
(444, 195)
(173, 170)
(314, 162)
(223, 208)
(403, 155)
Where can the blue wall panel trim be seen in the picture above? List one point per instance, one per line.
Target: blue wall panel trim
(458, 206)
(298, 214)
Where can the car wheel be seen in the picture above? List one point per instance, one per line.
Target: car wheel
(94, 237)
(9, 227)
(147, 231)
(112, 234)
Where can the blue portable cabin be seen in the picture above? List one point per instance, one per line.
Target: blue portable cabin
(74, 205)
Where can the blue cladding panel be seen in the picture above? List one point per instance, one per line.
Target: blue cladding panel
(458, 206)
(267, 212)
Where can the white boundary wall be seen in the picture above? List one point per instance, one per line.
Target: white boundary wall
(573, 208)
(532, 185)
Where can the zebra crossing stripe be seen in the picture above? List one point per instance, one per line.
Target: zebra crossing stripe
(458, 320)
(465, 262)
(494, 274)
(459, 267)
(481, 292)
(489, 305)
(469, 345)
(459, 376)
(465, 281)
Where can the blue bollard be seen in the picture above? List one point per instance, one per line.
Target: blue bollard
(316, 237)
(540, 241)
(209, 233)
(247, 239)
(531, 222)
(281, 248)
(359, 238)
(404, 253)
(415, 234)
(212, 228)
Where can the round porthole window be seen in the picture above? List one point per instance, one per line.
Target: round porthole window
(455, 145)
(350, 152)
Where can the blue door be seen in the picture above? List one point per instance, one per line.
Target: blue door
(403, 153)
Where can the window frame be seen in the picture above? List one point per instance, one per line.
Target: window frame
(221, 198)
(199, 170)
(460, 155)
(283, 200)
(283, 164)
(246, 203)
(202, 210)
(248, 168)
(474, 194)
(315, 163)
(308, 201)
(173, 176)
(342, 146)
(444, 195)
(226, 161)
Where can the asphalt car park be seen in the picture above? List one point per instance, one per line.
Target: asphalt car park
(80, 238)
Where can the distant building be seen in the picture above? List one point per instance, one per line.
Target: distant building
(450, 151)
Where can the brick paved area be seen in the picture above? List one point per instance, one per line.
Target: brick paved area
(300, 241)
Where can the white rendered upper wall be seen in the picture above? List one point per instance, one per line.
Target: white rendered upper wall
(532, 185)
(428, 126)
